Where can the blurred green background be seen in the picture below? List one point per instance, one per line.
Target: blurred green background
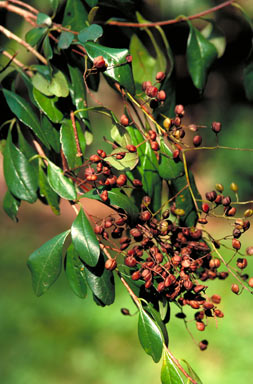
(59, 338)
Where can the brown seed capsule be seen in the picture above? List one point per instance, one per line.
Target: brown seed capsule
(246, 225)
(203, 345)
(197, 140)
(188, 285)
(202, 221)
(95, 158)
(216, 127)
(146, 84)
(120, 155)
(250, 282)
(91, 177)
(131, 148)
(160, 76)
(236, 244)
(130, 261)
(208, 305)
(176, 154)
(226, 200)
(121, 180)
(151, 91)
(145, 216)
(152, 134)
(249, 251)
(235, 288)
(148, 283)
(136, 275)
(230, 211)
(179, 110)
(205, 207)
(137, 183)
(110, 264)
(135, 232)
(241, 263)
(161, 95)
(104, 196)
(129, 58)
(99, 62)
(98, 229)
(216, 299)
(160, 287)
(159, 257)
(125, 311)
(218, 199)
(177, 122)
(154, 145)
(211, 196)
(124, 120)
(200, 326)
(214, 263)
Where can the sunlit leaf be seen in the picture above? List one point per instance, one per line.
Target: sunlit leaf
(170, 373)
(47, 104)
(47, 49)
(91, 33)
(75, 273)
(129, 161)
(75, 15)
(65, 40)
(42, 18)
(215, 35)
(61, 184)
(35, 35)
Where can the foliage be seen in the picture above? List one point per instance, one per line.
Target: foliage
(154, 239)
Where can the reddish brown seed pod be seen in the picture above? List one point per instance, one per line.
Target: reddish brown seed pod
(110, 264)
(154, 145)
(145, 216)
(108, 223)
(160, 76)
(137, 183)
(124, 120)
(158, 257)
(129, 58)
(218, 199)
(218, 313)
(249, 251)
(104, 196)
(152, 134)
(125, 311)
(136, 275)
(176, 154)
(146, 84)
(99, 62)
(202, 221)
(226, 201)
(120, 155)
(194, 304)
(216, 299)
(95, 158)
(161, 95)
(214, 263)
(121, 180)
(211, 196)
(200, 326)
(151, 91)
(130, 261)
(250, 282)
(236, 244)
(235, 288)
(203, 345)
(241, 263)
(161, 287)
(177, 122)
(208, 305)
(198, 288)
(205, 207)
(91, 177)
(98, 229)
(131, 148)
(230, 211)
(216, 127)
(148, 283)
(197, 140)
(179, 110)
(101, 153)
(135, 232)
(188, 285)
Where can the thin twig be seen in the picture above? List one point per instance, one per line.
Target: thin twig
(173, 21)
(18, 63)
(19, 11)
(24, 5)
(79, 152)
(11, 35)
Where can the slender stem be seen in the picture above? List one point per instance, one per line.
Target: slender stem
(173, 21)
(11, 35)
(24, 5)
(19, 11)
(189, 184)
(40, 151)
(79, 152)
(218, 147)
(17, 62)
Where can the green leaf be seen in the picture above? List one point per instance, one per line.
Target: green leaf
(11, 205)
(170, 373)
(46, 262)
(58, 86)
(120, 135)
(19, 173)
(22, 109)
(93, 12)
(47, 49)
(67, 138)
(101, 282)
(91, 3)
(168, 168)
(42, 18)
(75, 273)
(116, 198)
(248, 79)
(35, 35)
(26, 148)
(84, 240)
(78, 92)
(75, 15)
(145, 67)
(52, 134)
(44, 70)
(118, 69)
(54, 5)
(91, 33)
(150, 336)
(65, 40)
(200, 56)
(128, 163)
(192, 373)
(61, 184)
(47, 192)
(47, 104)
(215, 35)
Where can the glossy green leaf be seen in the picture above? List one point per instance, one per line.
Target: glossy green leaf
(120, 135)
(248, 80)
(58, 86)
(25, 147)
(47, 104)
(44, 70)
(78, 92)
(11, 205)
(150, 336)
(75, 15)
(215, 35)
(116, 198)
(65, 40)
(200, 56)
(42, 18)
(128, 163)
(28, 83)
(118, 69)
(101, 282)
(91, 33)
(168, 168)
(52, 134)
(75, 273)
(60, 183)
(47, 49)
(67, 138)
(22, 109)
(145, 66)
(192, 373)
(84, 240)
(158, 320)
(48, 193)
(45, 263)
(170, 373)
(93, 12)
(91, 3)
(35, 35)
(19, 173)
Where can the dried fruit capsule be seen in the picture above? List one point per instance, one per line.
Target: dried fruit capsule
(236, 244)
(136, 275)
(214, 263)
(152, 134)
(241, 263)
(161, 95)
(211, 196)
(218, 313)
(145, 215)
(179, 110)
(146, 201)
(230, 211)
(250, 282)
(146, 84)
(203, 345)
(205, 207)
(130, 261)
(124, 120)
(216, 126)
(137, 183)
(95, 158)
(151, 91)
(99, 62)
(160, 76)
(249, 251)
(98, 229)
(154, 145)
(104, 195)
(216, 299)
(200, 326)
(110, 264)
(248, 213)
(121, 180)
(160, 287)
(135, 232)
(226, 200)
(131, 148)
(235, 288)
(197, 140)
(125, 311)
